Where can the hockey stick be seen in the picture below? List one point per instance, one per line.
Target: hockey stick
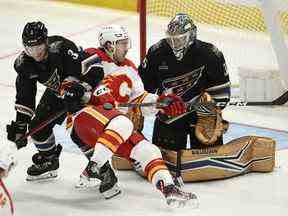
(6, 192)
(278, 101)
(43, 124)
(179, 179)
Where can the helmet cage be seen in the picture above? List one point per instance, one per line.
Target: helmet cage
(181, 33)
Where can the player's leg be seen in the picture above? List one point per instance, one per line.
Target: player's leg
(154, 168)
(118, 130)
(100, 129)
(46, 161)
(89, 177)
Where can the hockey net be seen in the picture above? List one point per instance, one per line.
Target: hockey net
(251, 33)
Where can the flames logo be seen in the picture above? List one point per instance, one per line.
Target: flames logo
(120, 86)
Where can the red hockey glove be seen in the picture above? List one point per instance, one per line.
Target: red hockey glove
(171, 105)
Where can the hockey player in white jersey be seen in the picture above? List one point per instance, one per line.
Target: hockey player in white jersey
(100, 130)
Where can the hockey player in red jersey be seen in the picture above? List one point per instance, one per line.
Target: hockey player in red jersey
(107, 130)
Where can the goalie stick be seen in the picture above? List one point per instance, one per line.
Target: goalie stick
(278, 101)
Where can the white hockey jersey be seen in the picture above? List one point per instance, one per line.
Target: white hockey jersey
(123, 79)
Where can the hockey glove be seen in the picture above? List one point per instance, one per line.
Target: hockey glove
(210, 126)
(72, 97)
(15, 132)
(171, 105)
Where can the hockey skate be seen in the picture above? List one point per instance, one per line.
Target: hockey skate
(89, 178)
(108, 186)
(44, 166)
(177, 198)
(104, 178)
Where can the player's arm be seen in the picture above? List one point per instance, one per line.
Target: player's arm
(218, 86)
(25, 98)
(92, 70)
(148, 73)
(210, 126)
(79, 65)
(25, 105)
(88, 76)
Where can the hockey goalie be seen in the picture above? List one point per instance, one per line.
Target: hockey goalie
(196, 72)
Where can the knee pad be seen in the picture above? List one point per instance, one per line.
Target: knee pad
(144, 152)
(150, 159)
(122, 125)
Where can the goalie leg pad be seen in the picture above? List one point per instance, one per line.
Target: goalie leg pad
(239, 156)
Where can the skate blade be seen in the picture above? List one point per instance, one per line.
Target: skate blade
(85, 183)
(49, 175)
(177, 202)
(114, 191)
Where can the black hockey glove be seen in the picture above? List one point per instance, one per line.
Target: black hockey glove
(72, 97)
(15, 131)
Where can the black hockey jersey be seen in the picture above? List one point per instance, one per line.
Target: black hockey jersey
(63, 61)
(202, 68)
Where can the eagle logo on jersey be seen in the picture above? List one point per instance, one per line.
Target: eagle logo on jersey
(181, 84)
(54, 81)
(120, 86)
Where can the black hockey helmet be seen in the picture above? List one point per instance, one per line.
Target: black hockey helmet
(34, 33)
(181, 32)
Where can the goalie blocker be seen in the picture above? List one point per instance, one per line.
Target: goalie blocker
(239, 156)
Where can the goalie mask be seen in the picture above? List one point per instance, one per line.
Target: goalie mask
(181, 33)
(115, 40)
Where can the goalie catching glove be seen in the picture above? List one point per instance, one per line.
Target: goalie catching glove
(171, 105)
(210, 124)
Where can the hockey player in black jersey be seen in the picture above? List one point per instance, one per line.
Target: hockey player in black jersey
(55, 62)
(192, 69)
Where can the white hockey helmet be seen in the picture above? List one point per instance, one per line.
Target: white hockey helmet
(112, 34)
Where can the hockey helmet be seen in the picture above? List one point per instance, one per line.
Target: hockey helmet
(34, 33)
(114, 36)
(181, 33)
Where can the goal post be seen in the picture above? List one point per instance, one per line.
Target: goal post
(251, 33)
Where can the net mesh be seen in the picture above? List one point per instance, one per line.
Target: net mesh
(236, 27)
(234, 14)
